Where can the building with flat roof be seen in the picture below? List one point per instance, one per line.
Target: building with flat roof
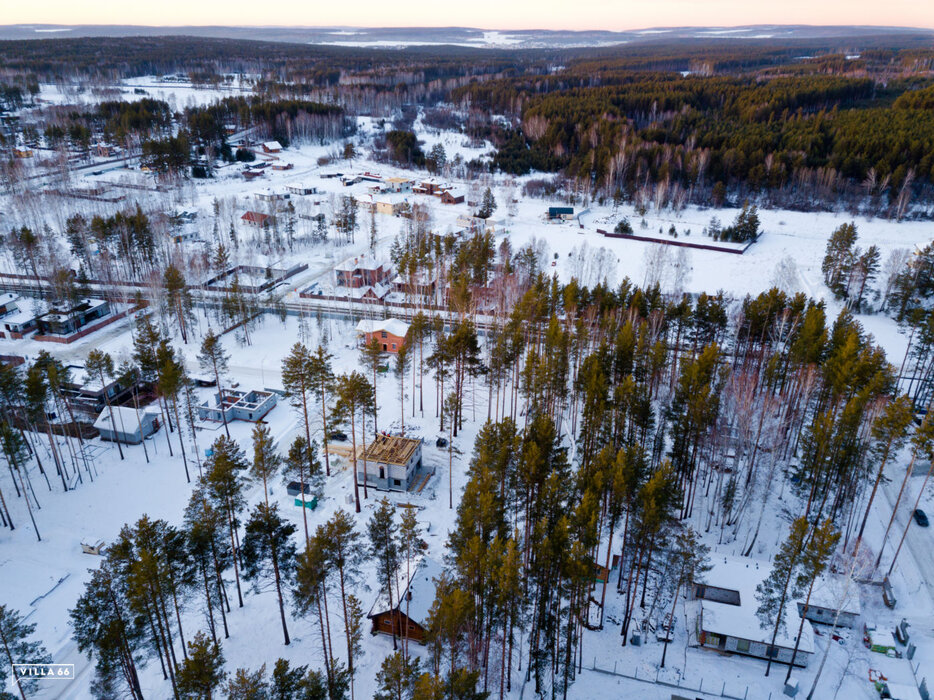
(132, 425)
(727, 620)
(237, 405)
(65, 321)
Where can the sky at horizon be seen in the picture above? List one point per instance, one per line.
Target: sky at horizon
(490, 14)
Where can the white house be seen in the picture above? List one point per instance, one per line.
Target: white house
(132, 426)
(727, 621)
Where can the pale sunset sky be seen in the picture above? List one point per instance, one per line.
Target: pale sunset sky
(489, 14)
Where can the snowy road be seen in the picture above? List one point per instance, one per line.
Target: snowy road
(919, 541)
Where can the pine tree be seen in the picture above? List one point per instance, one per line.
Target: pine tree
(344, 554)
(411, 544)
(354, 636)
(839, 259)
(18, 649)
(782, 583)
(400, 368)
(384, 550)
(487, 205)
(818, 551)
(266, 460)
(202, 672)
(103, 624)
(310, 591)
(100, 366)
(215, 359)
(397, 677)
(178, 299)
(302, 465)
(268, 549)
(372, 356)
(16, 453)
(204, 532)
(690, 564)
(172, 380)
(888, 432)
(354, 395)
(301, 684)
(297, 380)
(321, 378)
(248, 686)
(225, 488)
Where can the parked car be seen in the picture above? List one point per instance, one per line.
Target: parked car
(337, 436)
(920, 517)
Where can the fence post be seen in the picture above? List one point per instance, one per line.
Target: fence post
(723, 690)
(595, 664)
(701, 685)
(746, 693)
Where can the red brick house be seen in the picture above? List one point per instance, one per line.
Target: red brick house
(391, 333)
(361, 271)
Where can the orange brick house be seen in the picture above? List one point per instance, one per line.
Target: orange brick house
(391, 333)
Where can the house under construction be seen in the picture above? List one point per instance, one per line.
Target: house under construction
(390, 463)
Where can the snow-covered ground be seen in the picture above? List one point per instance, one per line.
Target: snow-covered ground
(43, 580)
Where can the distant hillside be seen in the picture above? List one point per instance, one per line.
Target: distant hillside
(463, 36)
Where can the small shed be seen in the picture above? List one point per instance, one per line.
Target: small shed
(132, 426)
(272, 147)
(830, 596)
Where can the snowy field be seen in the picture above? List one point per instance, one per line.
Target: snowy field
(43, 580)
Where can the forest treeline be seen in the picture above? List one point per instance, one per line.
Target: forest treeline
(664, 138)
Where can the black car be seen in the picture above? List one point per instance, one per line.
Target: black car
(920, 517)
(337, 436)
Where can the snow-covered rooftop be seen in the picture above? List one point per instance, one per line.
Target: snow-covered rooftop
(425, 573)
(126, 419)
(740, 621)
(394, 326)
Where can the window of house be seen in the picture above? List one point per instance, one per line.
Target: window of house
(397, 482)
(383, 334)
(382, 473)
(393, 346)
(772, 652)
(742, 645)
(713, 640)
